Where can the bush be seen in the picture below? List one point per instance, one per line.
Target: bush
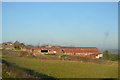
(17, 48)
(22, 54)
(108, 56)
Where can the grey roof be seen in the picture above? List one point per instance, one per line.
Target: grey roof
(7, 46)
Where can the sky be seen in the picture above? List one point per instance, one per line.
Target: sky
(0, 22)
(81, 24)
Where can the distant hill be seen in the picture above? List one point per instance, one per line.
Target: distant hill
(112, 51)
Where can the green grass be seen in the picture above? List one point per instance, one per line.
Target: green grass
(66, 69)
(5, 75)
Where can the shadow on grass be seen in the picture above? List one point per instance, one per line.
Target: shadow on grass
(29, 71)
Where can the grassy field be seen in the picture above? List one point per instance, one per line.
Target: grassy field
(66, 69)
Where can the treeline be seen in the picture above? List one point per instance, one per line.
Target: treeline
(109, 56)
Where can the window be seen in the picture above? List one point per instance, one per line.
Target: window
(44, 50)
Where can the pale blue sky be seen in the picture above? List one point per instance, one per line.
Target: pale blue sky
(62, 23)
(0, 22)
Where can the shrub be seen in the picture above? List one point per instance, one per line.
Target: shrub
(17, 48)
(108, 56)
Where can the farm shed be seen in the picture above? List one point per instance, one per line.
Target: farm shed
(91, 52)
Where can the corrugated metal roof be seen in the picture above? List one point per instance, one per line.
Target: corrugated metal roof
(93, 50)
(80, 49)
(7, 46)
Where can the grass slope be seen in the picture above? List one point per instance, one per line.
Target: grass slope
(66, 69)
(5, 75)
